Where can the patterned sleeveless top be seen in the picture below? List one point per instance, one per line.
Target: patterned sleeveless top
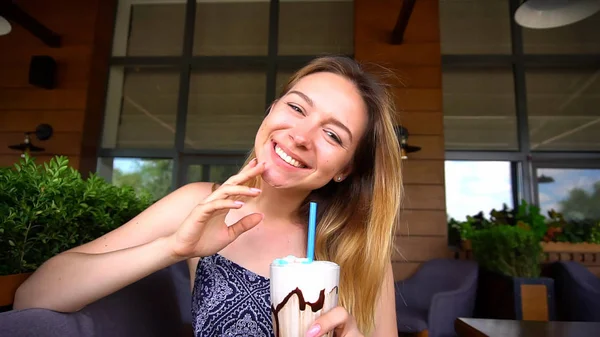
(229, 300)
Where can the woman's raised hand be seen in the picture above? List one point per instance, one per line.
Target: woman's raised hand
(203, 232)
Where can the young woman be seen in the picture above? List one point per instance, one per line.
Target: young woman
(328, 138)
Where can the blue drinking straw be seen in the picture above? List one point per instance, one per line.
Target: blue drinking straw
(312, 225)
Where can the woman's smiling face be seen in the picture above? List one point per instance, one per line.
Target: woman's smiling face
(311, 133)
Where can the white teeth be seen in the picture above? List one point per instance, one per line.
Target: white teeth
(287, 158)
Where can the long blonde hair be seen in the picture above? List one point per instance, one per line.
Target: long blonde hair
(357, 217)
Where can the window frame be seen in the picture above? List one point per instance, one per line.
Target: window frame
(525, 161)
(186, 63)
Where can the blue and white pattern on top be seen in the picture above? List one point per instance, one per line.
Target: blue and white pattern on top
(229, 300)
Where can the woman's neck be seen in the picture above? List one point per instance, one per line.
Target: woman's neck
(278, 205)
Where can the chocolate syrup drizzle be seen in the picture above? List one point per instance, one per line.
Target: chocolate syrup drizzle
(314, 306)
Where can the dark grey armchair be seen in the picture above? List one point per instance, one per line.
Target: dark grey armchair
(440, 291)
(158, 305)
(577, 292)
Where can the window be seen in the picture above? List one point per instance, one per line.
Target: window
(141, 108)
(479, 109)
(475, 27)
(191, 90)
(325, 32)
(519, 105)
(212, 173)
(474, 186)
(149, 28)
(225, 108)
(231, 28)
(144, 175)
(573, 192)
(562, 107)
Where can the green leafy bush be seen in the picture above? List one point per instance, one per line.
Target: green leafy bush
(508, 250)
(47, 209)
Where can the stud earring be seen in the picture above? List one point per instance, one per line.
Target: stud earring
(339, 178)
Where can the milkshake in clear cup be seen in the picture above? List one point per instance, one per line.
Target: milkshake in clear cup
(301, 291)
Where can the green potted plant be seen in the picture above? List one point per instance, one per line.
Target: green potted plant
(46, 209)
(511, 286)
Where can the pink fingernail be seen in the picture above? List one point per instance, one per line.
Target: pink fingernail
(255, 190)
(237, 202)
(313, 331)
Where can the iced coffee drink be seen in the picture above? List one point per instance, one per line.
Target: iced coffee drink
(300, 292)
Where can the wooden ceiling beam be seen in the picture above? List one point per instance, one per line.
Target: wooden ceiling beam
(14, 13)
(402, 21)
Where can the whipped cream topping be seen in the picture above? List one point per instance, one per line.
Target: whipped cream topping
(290, 259)
(291, 272)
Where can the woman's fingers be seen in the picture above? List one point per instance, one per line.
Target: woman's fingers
(244, 224)
(246, 174)
(202, 213)
(337, 319)
(227, 191)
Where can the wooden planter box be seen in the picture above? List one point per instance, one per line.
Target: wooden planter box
(514, 298)
(554, 247)
(568, 247)
(9, 285)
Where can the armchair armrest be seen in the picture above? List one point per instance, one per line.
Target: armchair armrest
(411, 293)
(447, 306)
(44, 322)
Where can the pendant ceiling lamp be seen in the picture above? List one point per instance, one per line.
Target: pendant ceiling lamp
(540, 14)
(5, 26)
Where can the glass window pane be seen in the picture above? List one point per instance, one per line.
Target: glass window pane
(284, 72)
(231, 28)
(225, 109)
(573, 192)
(562, 106)
(149, 29)
(474, 186)
(316, 27)
(578, 38)
(141, 108)
(213, 173)
(150, 175)
(475, 27)
(195, 173)
(479, 109)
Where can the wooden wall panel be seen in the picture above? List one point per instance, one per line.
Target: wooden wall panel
(41, 99)
(8, 160)
(418, 77)
(426, 172)
(86, 29)
(417, 99)
(429, 197)
(421, 223)
(421, 123)
(28, 120)
(416, 64)
(410, 248)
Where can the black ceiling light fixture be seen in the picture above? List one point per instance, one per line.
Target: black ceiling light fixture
(402, 134)
(42, 132)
